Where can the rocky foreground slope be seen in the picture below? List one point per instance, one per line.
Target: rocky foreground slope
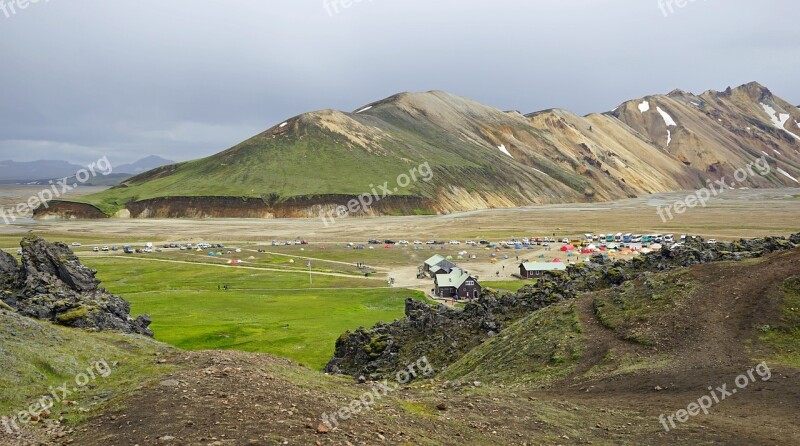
(467, 156)
(51, 284)
(602, 368)
(444, 335)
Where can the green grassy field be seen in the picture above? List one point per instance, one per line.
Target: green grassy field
(508, 285)
(263, 311)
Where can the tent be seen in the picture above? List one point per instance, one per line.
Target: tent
(566, 248)
(557, 261)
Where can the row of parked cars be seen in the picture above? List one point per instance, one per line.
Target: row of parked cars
(149, 247)
(289, 243)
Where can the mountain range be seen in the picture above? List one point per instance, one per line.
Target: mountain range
(44, 170)
(479, 156)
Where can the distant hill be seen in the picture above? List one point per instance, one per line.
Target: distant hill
(12, 171)
(480, 157)
(143, 165)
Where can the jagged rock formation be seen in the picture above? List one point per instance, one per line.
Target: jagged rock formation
(444, 335)
(51, 284)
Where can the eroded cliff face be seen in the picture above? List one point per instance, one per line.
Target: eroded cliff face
(68, 210)
(454, 200)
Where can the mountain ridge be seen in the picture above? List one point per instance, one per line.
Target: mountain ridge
(481, 157)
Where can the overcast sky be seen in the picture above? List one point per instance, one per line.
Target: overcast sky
(82, 79)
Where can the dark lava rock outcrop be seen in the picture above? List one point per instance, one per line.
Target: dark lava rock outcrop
(51, 284)
(443, 335)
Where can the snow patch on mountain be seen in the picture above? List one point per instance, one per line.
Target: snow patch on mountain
(778, 119)
(667, 118)
(785, 173)
(644, 106)
(541, 172)
(503, 149)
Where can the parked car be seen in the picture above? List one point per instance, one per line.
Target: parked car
(106, 248)
(373, 242)
(713, 241)
(127, 249)
(115, 248)
(76, 244)
(417, 242)
(96, 249)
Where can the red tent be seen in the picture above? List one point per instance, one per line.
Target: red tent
(566, 248)
(556, 261)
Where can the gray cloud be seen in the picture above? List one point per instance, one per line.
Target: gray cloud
(184, 79)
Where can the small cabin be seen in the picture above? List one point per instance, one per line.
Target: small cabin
(530, 270)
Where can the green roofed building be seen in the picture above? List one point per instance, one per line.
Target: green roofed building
(459, 284)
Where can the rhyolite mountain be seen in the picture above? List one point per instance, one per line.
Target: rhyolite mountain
(481, 157)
